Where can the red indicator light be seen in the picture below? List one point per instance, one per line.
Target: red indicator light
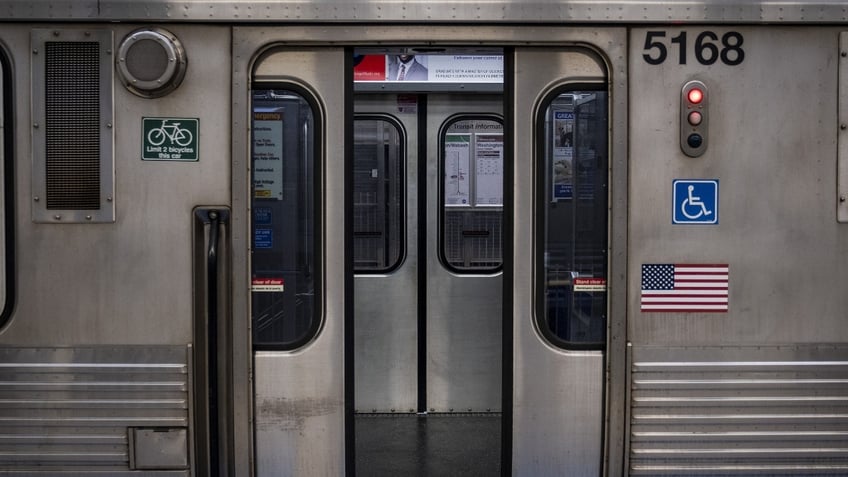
(695, 95)
(695, 118)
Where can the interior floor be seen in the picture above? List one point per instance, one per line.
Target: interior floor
(431, 445)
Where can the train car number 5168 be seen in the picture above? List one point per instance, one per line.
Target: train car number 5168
(707, 47)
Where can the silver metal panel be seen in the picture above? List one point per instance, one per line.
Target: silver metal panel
(842, 159)
(159, 448)
(775, 410)
(299, 395)
(132, 281)
(68, 409)
(461, 11)
(558, 396)
(73, 133)
(386, 305)
(777, 179)
(464, 314)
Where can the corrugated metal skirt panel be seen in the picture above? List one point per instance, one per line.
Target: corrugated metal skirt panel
(69, 409)
(771, 410)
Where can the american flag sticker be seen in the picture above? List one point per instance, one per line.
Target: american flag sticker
(684, 288)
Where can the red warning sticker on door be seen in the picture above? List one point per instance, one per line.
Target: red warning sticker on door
(590, 284)
(267, 285)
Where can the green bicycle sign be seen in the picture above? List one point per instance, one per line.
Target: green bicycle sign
(169, 139)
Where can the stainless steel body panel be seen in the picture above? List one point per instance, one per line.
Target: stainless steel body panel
(761, 397)
(299, 395)
(102, 291)
(463, 11)
(386, 305)
(773, 150)
(464, 315)
(129, 282)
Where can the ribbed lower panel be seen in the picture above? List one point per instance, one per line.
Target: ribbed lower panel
(780, 410)
(69, 410)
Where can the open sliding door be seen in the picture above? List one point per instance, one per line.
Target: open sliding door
(560, 269)
(297, 260)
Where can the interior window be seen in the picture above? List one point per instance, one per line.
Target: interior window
(284, 260)
(573, 206)
(377, 195)
(472, 194)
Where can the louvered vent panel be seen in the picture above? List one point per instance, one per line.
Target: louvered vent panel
(69, 411)
(739, 411)
(72, 94)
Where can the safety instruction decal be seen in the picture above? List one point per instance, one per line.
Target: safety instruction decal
(590, 284)
(267, 285)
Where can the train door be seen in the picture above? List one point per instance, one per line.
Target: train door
(297, 265)
(427, 230)
(559, 267)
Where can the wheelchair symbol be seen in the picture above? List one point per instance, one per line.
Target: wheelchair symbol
(695, 202)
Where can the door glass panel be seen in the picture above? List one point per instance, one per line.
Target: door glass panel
(573, 203)
(283, 261)
(472, 194)
(377, 195)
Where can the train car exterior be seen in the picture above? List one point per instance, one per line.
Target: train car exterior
(330, 238)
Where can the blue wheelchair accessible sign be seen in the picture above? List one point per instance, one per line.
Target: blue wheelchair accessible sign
(695, 201)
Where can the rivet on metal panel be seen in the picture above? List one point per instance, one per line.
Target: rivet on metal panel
(844, 54)
(109, 199)
(87, 217)
(843, 126)
(36, 198)
(35, 125)
(57, 217)
(842, 198)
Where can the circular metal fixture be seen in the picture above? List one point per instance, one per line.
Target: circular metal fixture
(151, 62)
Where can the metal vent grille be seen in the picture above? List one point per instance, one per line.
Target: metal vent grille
(72, 94)
(73, 170)
(739, 411)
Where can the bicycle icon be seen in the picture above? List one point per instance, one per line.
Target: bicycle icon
(173, 132)
(695, 202)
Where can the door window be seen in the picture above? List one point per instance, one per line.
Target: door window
(572, 203)
(472, 194)
(284, 259)
(378, 191)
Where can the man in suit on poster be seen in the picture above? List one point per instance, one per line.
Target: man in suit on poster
(406, 68)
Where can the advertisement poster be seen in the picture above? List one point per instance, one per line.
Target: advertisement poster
(563, 155)
(268, 155)
(429, 68)
(457, 162)
(489, 169)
